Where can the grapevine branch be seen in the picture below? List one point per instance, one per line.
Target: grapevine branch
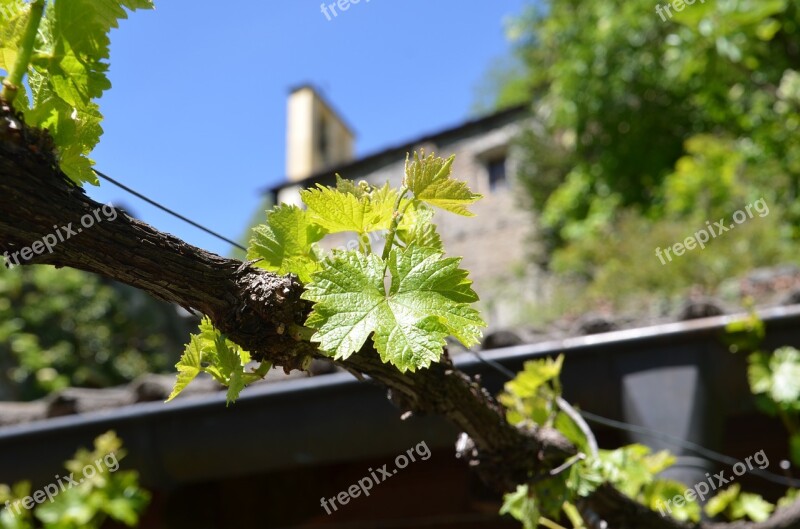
(257, 310)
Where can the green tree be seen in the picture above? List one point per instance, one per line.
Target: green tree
(62, 328)
(698, 111)
(645, 126)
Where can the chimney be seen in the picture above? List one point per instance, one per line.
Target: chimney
(316, 136)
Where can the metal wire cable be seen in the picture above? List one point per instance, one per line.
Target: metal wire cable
(167, 210)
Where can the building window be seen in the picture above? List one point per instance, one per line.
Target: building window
(497, 173)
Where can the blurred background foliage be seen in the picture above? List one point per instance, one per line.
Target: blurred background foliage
(645, 128)
(107, 493)
(65, 327)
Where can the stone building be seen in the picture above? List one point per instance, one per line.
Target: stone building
(495, 243)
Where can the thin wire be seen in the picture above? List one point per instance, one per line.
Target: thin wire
(689, 445)
(167, 210)
(496, 365)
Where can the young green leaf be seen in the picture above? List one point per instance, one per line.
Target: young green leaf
(534, 374)
(531, 395)
(75, 132)
(67, 73)
(736, 505)
(349, 294)
(778, 375)
(13, 16)
(723, 500)
(188, 366)
(350, 210)
(348, 186)
(753, 506)
(522, 506)
(788, 498)
(210, 352)
(426, 301)
(231, 365)
(284, 243)
(429, 180)
(659, 494)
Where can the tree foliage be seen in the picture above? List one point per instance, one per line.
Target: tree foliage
(692, 115)
(104, 494)
(62, 328)
(646, 127)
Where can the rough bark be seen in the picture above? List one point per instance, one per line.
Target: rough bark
(256, 309)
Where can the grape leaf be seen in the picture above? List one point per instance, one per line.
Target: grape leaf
(231, 366)
(534, 374)
(85, 24)
(522, 507)
(658, 496)
(427, 300)
(188, 366)
(778, 375)
(338, 211)
(736, 505)
(67, 73)
(348, 186)
(752, 505)
(284, 243)
(210, 352)
(570, 429)
(722, 501)
(13, 16)
(531, 394)
(429, 180)
(75, 132)
(788, 498)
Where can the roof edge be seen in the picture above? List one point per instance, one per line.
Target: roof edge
(401, 147)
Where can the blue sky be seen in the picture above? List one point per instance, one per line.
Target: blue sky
(196, 116)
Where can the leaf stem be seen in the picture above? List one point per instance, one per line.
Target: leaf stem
(395, 222)
(364, 242)
(12, 83)
(301, 333)
(550, 524)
